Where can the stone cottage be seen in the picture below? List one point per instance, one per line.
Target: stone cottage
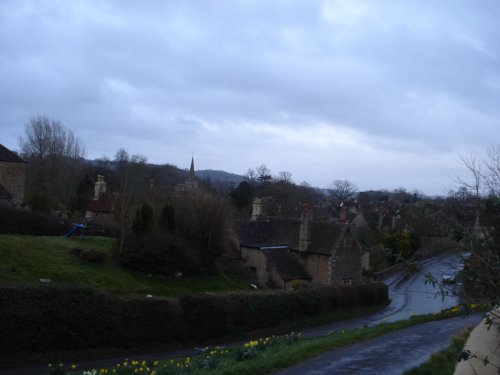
(273, 265)
(101, 209)
(12, 178)
(328, 252)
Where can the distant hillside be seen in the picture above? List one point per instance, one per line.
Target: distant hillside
(220, 176)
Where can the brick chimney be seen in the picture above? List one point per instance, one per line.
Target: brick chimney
(305, 228)
(100, 187)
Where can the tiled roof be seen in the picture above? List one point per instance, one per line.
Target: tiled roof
(105, 203)
(4, 194)
(7, 155)
(372, 218)
(286, 264)
(271, 230)
(325, 236)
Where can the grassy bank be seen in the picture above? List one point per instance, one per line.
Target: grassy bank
(444, 361)
(35, 358)
(263, 355)
(27, 259)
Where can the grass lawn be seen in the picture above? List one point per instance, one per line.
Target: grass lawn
(444, 361)
(28, 259)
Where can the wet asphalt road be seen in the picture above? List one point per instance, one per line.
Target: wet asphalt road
(409, 294)
(397, 351)
(390, 354)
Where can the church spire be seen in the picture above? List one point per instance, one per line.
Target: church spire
(191, 169)
(191, 182)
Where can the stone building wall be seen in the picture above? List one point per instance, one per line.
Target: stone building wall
(12, 177)
(256, 261)
(318, 266)
(346, 261)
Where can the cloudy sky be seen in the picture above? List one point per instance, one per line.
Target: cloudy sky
(385, 94)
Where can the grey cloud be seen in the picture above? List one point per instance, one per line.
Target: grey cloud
(420, 70)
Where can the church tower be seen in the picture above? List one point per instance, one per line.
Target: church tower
(191, 182)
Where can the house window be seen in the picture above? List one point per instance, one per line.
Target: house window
(347, 281)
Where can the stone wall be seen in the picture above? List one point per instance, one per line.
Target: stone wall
(12, 177)
(256, 262)
(318, 266)
(346, 261)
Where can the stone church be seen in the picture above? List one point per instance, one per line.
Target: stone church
(191, 183)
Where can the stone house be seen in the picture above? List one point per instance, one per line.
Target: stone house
(328, 252)
(101, 209)
(12, 178)
(274, 265)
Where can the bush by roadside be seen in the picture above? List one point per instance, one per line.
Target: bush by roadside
(44, 318)
(15, 221)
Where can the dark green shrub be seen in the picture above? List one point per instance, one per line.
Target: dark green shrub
(92, 256)
(167, 218)
(160, 253)
(143, 222)
(15, 221)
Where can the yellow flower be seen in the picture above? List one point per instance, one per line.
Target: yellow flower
(73, 366)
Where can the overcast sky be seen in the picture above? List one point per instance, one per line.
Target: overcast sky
(385, 94)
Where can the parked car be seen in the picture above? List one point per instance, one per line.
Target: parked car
(448, 278)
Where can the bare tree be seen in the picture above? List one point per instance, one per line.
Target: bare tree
(474, 166)
(492, 167)
(55, 159)
(285, 176)
(343, 190)
(132, 179)
(263, 173)
(259, 175)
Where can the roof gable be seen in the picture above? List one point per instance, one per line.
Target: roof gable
(271, 230)
(286, 264)
(325, 236)
(9, 156)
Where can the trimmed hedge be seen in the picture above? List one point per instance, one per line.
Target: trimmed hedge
(57, 317)
(216, 315)
(42, 318)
